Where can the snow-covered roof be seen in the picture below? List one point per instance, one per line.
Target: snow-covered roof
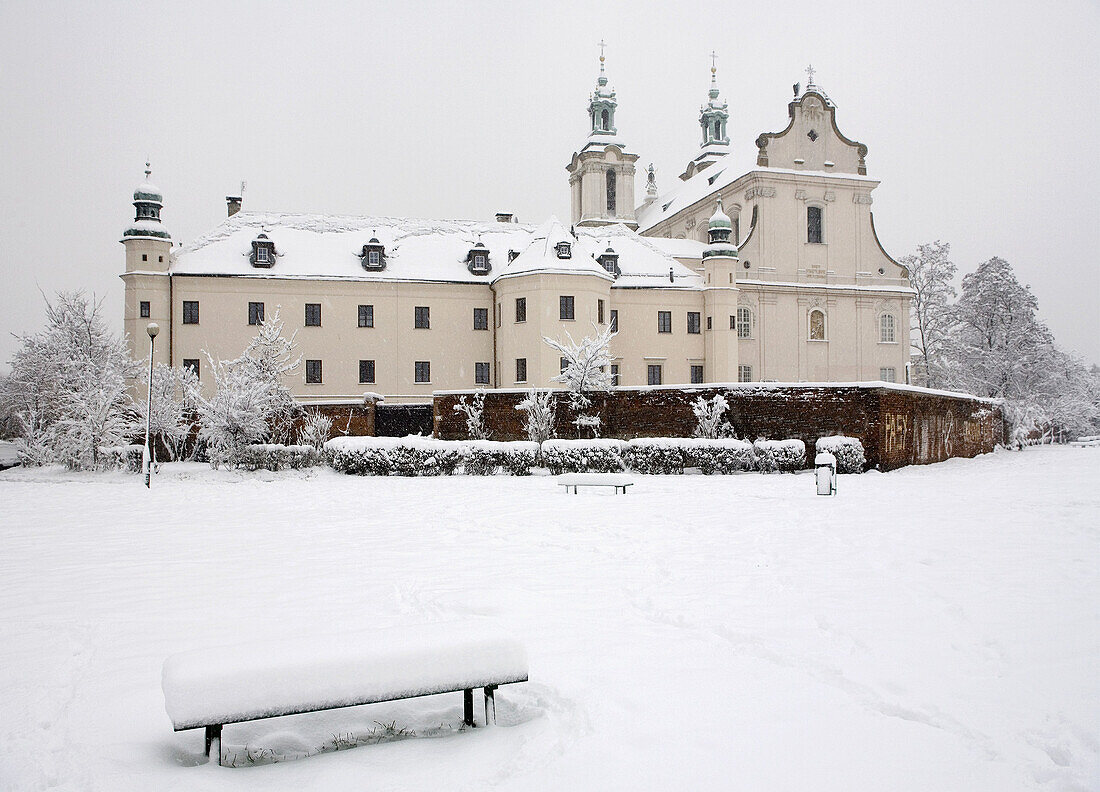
(146, 228)
(642, 261)
(149, 192)
(541, 256)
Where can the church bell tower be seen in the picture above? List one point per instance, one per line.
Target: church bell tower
(601, 174)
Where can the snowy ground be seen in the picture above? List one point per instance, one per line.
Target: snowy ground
(934, 628)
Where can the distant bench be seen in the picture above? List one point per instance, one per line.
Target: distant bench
(574, 480)
(210, 688)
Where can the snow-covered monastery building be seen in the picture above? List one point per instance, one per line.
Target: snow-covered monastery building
(771, 274)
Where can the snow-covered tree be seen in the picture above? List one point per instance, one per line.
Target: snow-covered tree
(68, 389)
(176, 400)
(270, 357)
(474, 410)
(539, 406)
(589, 422)
(930, 274)
(315, 430)
(710, 417)
(587, 364)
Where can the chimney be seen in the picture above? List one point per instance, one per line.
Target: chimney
(233, 204)
(505, 217)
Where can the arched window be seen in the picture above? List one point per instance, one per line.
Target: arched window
(744, 322)
(605, 121)
(817, 325)
(610, 189)
(813, 224)
(717, 130)
(887, 332)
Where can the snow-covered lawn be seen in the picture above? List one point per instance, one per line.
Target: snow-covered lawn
(934, 628)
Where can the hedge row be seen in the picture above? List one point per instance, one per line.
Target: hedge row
(273, 456)
(426, 456)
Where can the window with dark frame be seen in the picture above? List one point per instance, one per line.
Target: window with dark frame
(709, 325)
(566, 307)
(653, 374)
(696, 374)
(366, 316)
(422, 371)
(481, 318)
(422, 318)
(481, 373)
(693, 322)
(190, 311)
(143, 309)
(744, 323)
(521, 369)
(610, 191)
(255, 313)
(192, 364)
(366, 371)
(614, 320)
(564, 364)
(664, 321)
(499, 310)
(599, 311)
(521, 309)
(313, 314)
(744, 373)
(313, 372)
(813, 224)
(615, 374)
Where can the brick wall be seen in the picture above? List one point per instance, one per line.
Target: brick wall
(352, 419)
(897, 425)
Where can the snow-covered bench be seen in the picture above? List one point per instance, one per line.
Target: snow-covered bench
(574, 480)
(210, 688)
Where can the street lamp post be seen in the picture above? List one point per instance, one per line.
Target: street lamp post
(147, 454)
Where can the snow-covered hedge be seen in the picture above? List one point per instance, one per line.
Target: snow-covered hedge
(125, 457)
(426, 456)
(583, 456)
(722, 456)
(655, 455)
(848, 451)
(275, 456)
(781, 455)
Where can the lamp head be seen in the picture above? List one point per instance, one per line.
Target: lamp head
(152, 329)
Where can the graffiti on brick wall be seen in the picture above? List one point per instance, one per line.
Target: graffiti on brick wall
(897, 432)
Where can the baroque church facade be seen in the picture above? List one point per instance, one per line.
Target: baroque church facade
(771, 274)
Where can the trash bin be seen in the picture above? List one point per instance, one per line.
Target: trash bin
(825, 468)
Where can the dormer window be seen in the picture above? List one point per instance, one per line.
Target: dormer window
(512, 255)
(564, 250)
(477, 260)
(373, 255)
(263, 252)
(609, 260)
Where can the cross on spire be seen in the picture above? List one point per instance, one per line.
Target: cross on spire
(810, 71)
(148, 170)
(713, 61)
(602, 45)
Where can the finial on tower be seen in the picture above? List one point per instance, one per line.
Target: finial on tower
(810, 71)
(713, 63)
(603, 75)
(148, 170)
(651, 182)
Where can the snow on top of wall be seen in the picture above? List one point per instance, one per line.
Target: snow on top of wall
(234, 683)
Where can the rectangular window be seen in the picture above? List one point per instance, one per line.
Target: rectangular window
(563, 364)
(143, 309)
(366, 371)
(422, 371)
(615, 374)
(481, 318)
(261, 254)
(599, 311)
(255, 313)
(192, 364)
(144, 256)
(521, 369)
(693, 322)
(481, 373)
(653, 375)
(888, 374)
(744, 323)
(614, 320)
(373, 257)
(709, 325)
(422, 318)
(498, 312)
(565, 308)
(813, 223)
(664, 321)
(744, 373)
(696, 375)
(313, 372)
(366, 316)
(313, 314)
(190, 311)
(521, 309)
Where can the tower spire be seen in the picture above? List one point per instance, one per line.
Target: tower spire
(602, 104)
(713, 115)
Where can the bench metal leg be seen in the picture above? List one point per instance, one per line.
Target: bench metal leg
(468, 707)
(490, 705)
(214, 742)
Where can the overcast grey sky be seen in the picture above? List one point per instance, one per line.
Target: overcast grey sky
(981, 120)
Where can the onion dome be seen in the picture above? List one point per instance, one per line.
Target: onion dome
(719, 230)
(148, 201)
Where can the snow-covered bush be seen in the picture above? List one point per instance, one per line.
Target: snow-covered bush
(850, 457)
(126, 457)
(539, 406)
(399, 456)
(484, 457)
(655, 455)
(780, 455)
(587, 364)
(590, 423)
(315, 430)
(474, 410)
(176, 398)
(722, 456)
(274, 456)
(583, 456)
(710, 417)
